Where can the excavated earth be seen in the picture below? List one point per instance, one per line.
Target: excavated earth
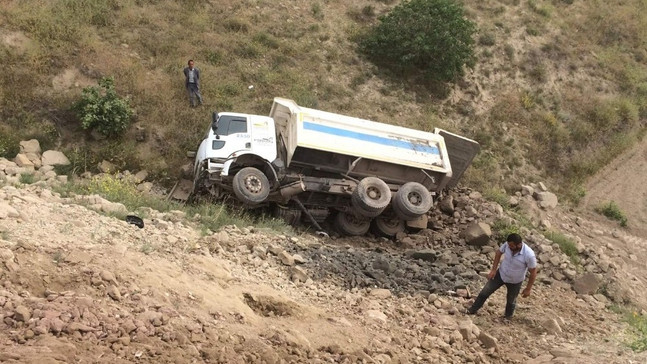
(78, 285)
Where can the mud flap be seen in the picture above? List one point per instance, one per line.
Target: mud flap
(181, 191)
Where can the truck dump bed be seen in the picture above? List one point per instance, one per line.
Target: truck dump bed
(321, 139)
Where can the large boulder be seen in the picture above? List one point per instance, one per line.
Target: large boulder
(586, 284)
(477, 234)
(447, 205)
(546, 200)
(30, 146)
(22, 161)
(54, 158)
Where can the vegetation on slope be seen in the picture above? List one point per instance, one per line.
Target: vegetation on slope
(558, 87)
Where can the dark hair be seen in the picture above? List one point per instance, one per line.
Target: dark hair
(189, 61)
(514, 238)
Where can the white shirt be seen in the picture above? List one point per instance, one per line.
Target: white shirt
(191, 77)
(514, 267)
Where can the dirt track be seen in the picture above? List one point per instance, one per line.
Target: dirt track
(623, 182)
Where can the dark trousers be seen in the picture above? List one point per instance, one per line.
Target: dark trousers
(194, 92)
(491, 287)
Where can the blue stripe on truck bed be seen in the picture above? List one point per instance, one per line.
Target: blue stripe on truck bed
(398, 143)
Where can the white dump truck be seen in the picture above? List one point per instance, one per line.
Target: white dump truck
(312, 165)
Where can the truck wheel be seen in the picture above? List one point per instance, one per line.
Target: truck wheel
(251, 186)
(349, 224)
(387, 226)
(371, 197)
(412, 201)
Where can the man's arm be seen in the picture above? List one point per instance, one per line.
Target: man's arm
(531, 281)
(495, 264)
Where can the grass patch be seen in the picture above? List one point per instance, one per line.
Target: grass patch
(499, 196)
(637, 327)
(211, 216)
(503, 227)
(566, 245)
(27, 178)
(613, 212)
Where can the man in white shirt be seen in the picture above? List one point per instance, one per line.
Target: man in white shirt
(518, 259)
(192, 83)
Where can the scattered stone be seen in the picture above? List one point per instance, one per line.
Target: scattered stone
(298, 274)
(477, 234)
(446, 205)
(286, 258)
(488, 340)
(552, 327)
(30, 146)
(380, 293)
(54, 158)
(376, 315)
(114, 293)
(21, 160)
(106, 167)
(586, 284)
(22, 314)
(547, 200)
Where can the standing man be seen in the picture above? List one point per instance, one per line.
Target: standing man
(518, 258)
(192, 83)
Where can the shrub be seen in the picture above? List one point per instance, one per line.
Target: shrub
(431, 37)
(103, 109)
(613, 212)
(9, 144)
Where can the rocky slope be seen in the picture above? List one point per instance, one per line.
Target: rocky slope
(80, 286)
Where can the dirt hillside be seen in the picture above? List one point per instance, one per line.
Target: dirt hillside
(622, 182)
(79, 286)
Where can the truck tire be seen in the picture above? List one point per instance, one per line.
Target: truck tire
(412, 201)
(387, 226)
(251, 186)
(349, 224)
(289, 215)
(371, 197)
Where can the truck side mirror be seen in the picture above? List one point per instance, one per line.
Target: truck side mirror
(214, 122)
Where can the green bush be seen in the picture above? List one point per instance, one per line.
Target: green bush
(613, 212)
(9, 145)
(430, 37)
(103, 109)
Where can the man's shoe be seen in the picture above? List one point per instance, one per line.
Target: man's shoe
(470, 311)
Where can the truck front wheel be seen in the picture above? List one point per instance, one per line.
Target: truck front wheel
(412, 201)
(371, 196)
(251, 186)
(349, 224)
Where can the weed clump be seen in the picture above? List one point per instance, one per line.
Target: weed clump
(613, 212)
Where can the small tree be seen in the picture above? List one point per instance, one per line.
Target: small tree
(101, 108)
(431, 37)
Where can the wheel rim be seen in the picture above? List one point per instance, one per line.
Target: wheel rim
(414, 198)
(253, 184)
(373, 193)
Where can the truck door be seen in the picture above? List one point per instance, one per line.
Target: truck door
(233, 135)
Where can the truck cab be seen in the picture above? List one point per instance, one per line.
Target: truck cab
(232, 135)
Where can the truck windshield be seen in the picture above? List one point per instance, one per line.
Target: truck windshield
(228, 125)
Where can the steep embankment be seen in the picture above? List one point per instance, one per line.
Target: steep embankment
(81, 286)
(623, 181)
